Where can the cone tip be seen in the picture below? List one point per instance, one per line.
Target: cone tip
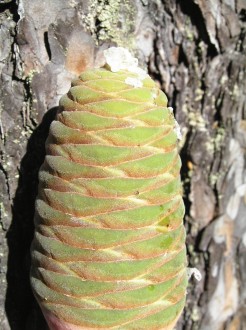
(119, 58)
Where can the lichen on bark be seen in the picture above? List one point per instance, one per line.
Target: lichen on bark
(111, 21)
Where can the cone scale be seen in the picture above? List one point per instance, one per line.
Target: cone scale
(109, 245)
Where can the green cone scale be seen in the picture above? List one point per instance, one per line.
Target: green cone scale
(109, 245)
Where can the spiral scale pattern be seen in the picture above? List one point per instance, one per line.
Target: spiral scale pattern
(109, 246)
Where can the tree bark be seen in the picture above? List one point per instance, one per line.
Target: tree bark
(196, 51)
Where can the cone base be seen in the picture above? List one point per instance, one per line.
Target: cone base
(56, 324)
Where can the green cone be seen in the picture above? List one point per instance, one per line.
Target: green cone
(109, 246)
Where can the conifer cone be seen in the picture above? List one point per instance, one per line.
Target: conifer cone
(109, 245)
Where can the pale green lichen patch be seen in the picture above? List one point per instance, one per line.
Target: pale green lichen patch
(111, 20)
(196, 120)
(217, 142)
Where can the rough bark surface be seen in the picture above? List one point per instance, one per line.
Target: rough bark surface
(196, 50)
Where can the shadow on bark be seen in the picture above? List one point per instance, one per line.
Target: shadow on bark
(21, 307)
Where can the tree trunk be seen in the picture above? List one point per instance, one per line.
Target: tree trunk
(196, 51)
